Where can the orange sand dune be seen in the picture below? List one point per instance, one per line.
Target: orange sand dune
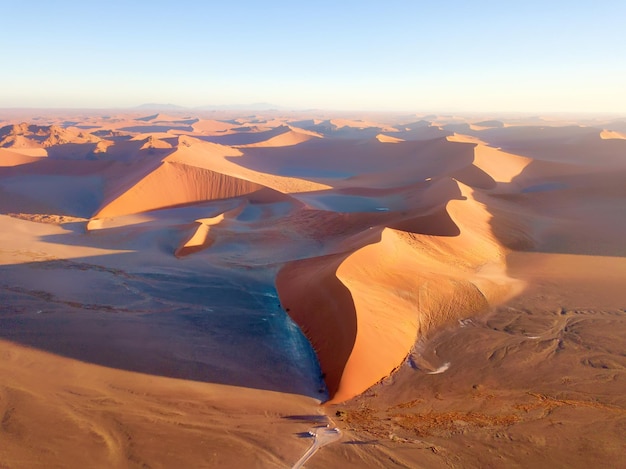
(226, 160)
(25, 135)
(155, 138)
(12, 158)
(610, 134)
(395, 290)
(174, 184)
(500, 165)
(211, 127)
(388, 139)
(468, 252)
(288, 138)
(52, 141)
(34, 152)
(455, 137)
(202, 239)
(184, 178)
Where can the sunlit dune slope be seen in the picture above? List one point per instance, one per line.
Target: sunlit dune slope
(174, 184)
(398, 286)
(609, 134)
(13, 158)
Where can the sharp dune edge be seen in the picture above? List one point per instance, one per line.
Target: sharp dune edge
(460, 282)
(398, 288)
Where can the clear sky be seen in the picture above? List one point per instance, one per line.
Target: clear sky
(415, 55)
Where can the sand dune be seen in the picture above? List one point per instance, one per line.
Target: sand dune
(288, 138)
(248, 135)
(210, 126)
(360, 163)
(610, 134)
(227, 160)
(397, 289)
(52, 141)
(174, 184)
(12, 158)
(459, 279)
(202, 239)
(183, 177)
(462, 138)
(388, 139)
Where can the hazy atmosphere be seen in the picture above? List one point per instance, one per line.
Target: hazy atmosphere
(364, 55)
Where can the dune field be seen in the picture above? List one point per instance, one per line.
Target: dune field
(201, 289)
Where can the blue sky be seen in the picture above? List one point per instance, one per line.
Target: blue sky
(410, 55)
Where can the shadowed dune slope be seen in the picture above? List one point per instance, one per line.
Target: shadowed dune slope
(324, 310)
(361, 163)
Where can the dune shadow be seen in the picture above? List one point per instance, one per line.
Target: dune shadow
(438, 223)
(475, 177)
(311, 418)
(78, 182)
(322, 306)
(26, 192)
(572, 212)
(200, 324)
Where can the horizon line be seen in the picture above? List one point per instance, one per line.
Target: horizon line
(169, 107)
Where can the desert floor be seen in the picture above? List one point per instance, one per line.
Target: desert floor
(204, 289)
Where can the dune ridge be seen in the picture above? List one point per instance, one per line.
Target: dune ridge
(401, 285)
(202, 239)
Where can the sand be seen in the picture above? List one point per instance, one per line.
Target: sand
(189, 290)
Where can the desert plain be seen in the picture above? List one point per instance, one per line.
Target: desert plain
(203, 288)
